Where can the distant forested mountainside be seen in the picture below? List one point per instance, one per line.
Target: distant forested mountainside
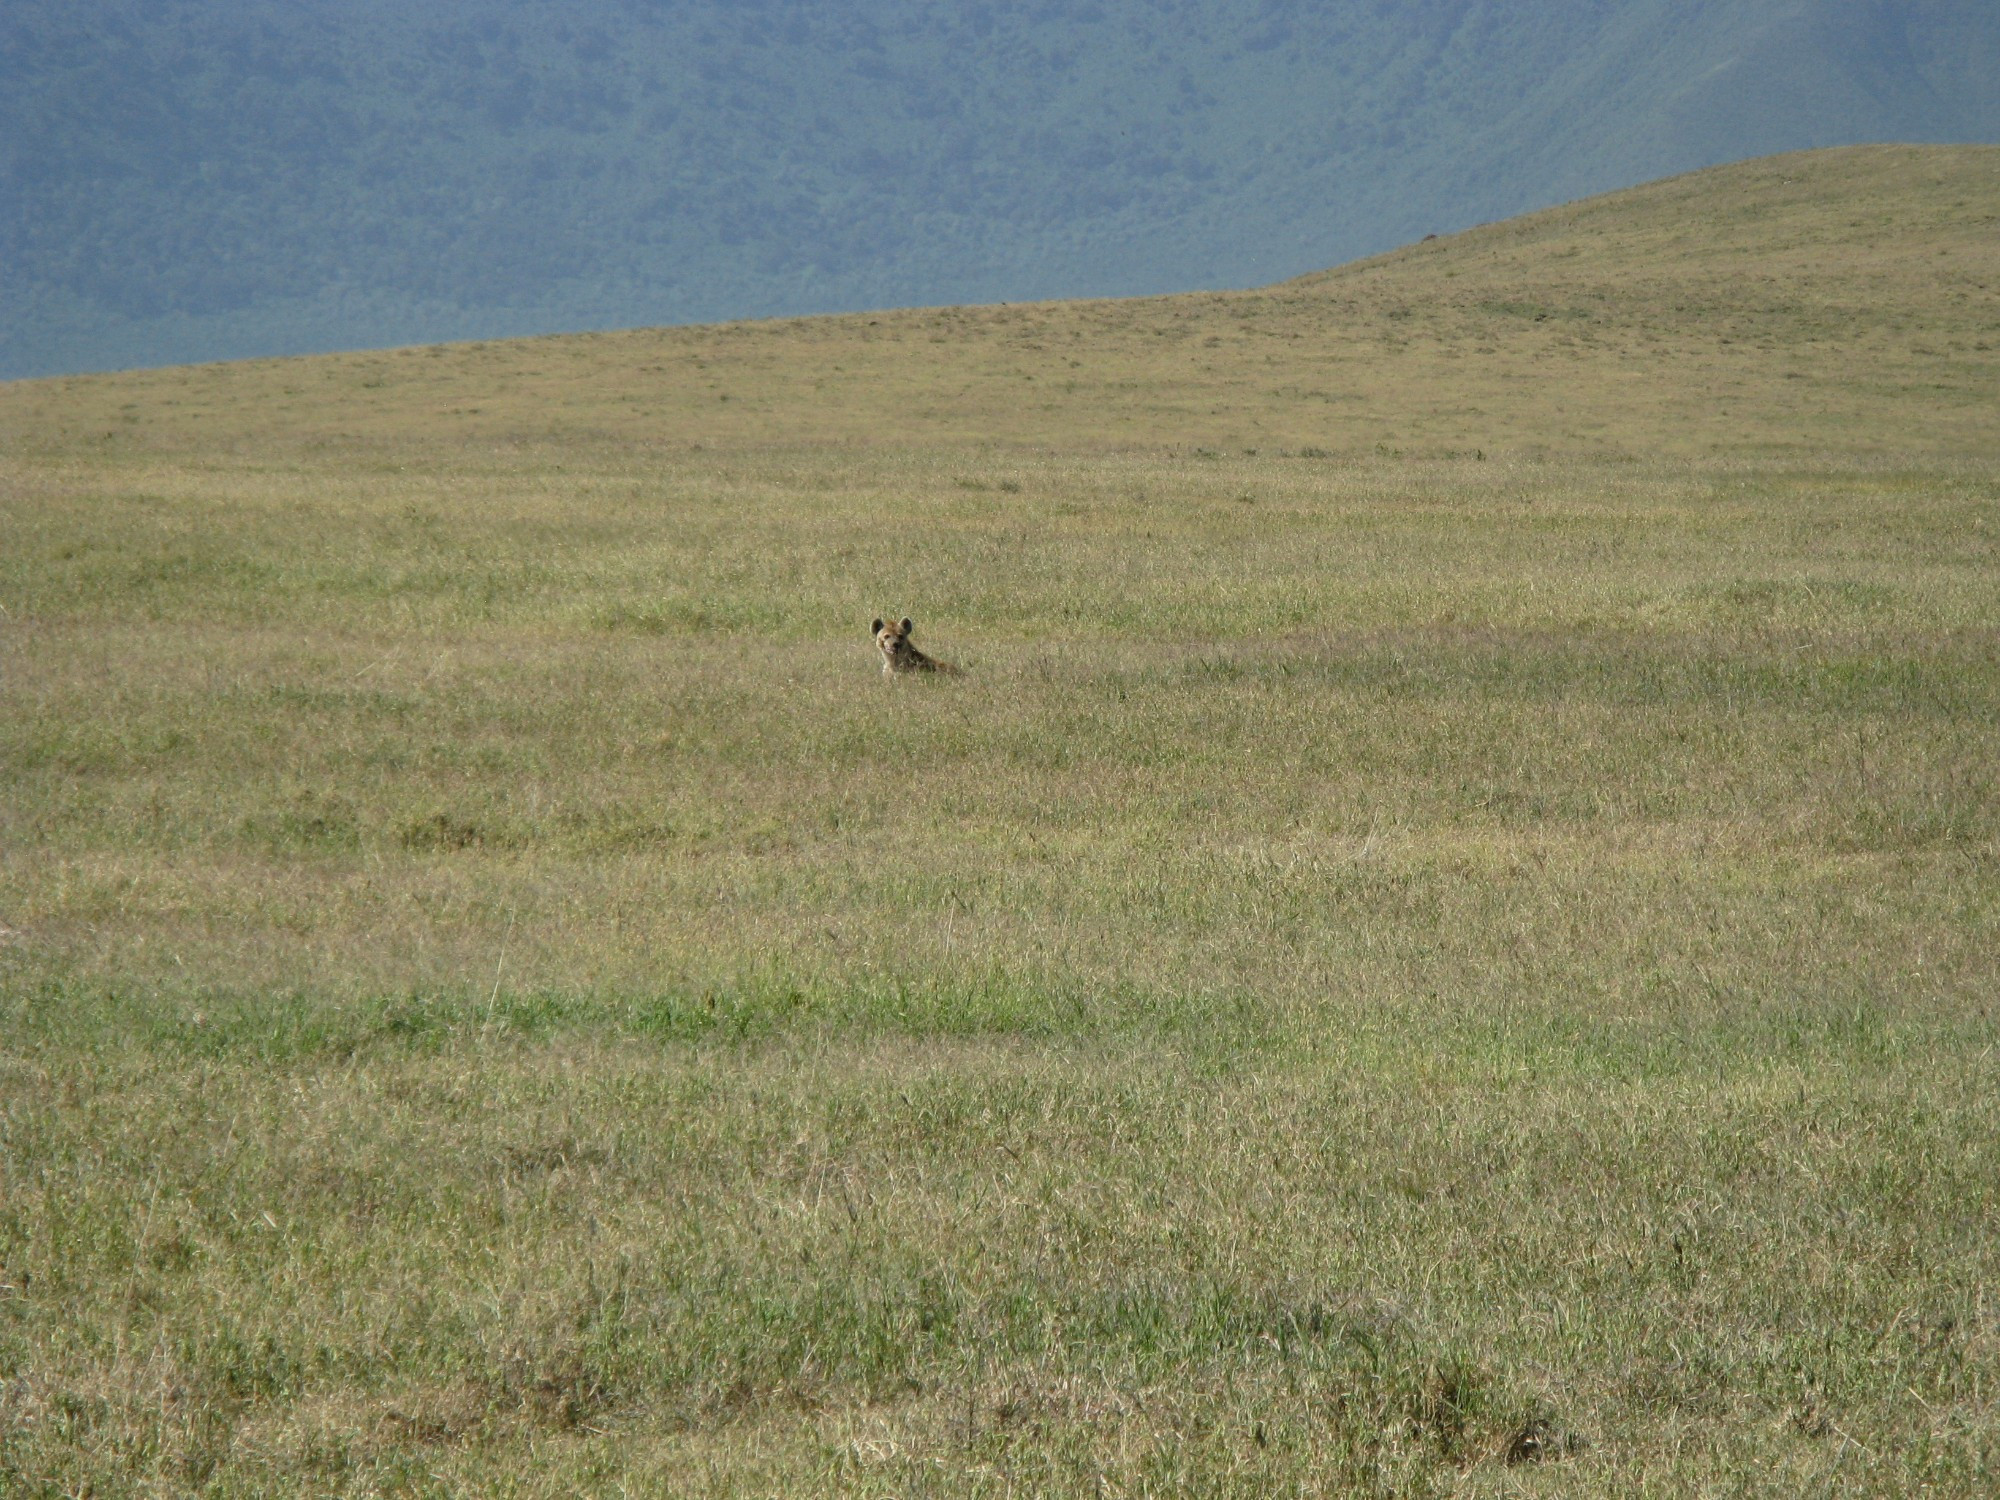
(195, 179)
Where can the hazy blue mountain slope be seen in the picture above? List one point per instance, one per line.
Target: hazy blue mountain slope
(191, 180)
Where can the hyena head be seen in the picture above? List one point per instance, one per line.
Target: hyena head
(892, 639)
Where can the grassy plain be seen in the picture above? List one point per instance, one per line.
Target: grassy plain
(1444, 944)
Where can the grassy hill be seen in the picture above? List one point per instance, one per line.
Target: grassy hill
(1442, 942)
(182, 182)
(1845, 300)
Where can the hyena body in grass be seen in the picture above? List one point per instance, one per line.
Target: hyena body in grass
(892, 639)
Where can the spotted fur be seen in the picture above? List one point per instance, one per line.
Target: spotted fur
(892, 639)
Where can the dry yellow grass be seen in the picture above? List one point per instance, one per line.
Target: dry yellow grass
(1399, 972)
(1844, 301)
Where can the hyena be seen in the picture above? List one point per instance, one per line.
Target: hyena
(898, 655)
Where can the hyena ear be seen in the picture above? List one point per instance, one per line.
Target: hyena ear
(908, 624)
(876, 628)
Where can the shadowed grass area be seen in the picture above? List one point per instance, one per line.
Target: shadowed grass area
(1387, 975)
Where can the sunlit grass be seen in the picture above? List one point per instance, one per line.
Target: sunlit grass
(1389, 973)
(1836, 301)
